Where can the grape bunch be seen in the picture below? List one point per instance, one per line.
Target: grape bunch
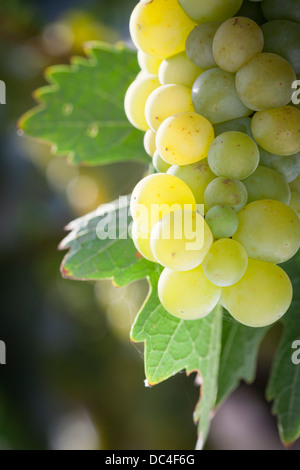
(214, 98)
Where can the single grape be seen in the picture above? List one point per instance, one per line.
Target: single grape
(199, 45)
(265, 82)
(136, 97)
(215, 97)
(234, 155)
(281, 10)
(214, 10)
(184, 138)
(287, 166)
(240, 125)
(295, 203)
(159, 27)
(225, 191)
(267, 184)
(269, 230)
(149, 142)
(178, 69)
(166, 101)
(148, 63)
(282, 37)
(252, 10)
(157, 195)
(180, 240)
(159, 164)
(188, 295)
(141, 241)
(223, 221)
(225, 263)
(261, 297)
(196, 176)
(236, 41)
(278, 130)
(295, 184)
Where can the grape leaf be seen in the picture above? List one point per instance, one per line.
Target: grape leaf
(239, 352)
(82, 113)
(284, 384)
(93, 258)
(172, 345)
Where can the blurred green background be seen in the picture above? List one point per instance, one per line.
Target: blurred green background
(73, 380)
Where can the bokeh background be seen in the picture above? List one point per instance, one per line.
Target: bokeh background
(73, 380)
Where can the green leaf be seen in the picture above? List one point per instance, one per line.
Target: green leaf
(239, 352)
(172, 345)
(82, 111)
(284, 384)
(92, 258)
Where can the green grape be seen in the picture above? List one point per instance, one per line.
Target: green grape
(159, 164)
(278, 130)
(149, 142)
(223, 221)
(269, 230)
(240, 125)
(226, 191)
(281, 10)
(214, 10)
(178, 69)
(166, 101)
(141, 241)
(236, 41)
(226, 262)
(188, 295)
(180, 240)
(288, 166)
(252, 10)
(295, 184)
(196, 176)
(267, 184)
(199, 45)
(136, 97)
(234, 155)
(265, 82)
(261, 297)
(214, 96)
(184, 138)
(282, 37)
(160, 27)
(295, 203)
(157, 195)
(148, 63)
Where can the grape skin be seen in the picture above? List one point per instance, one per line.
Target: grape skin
(199, 45)
(188, 295)
(214, 10)
(225, 191)
(267, 184)
(261, 297)
(226, 262)
(223, 221)
(141, 241)
(178, 69)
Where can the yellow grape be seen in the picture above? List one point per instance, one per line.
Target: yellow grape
(141, 241)
(149, 142)
(166, 101)
(226, 262)
(178, 69)
(136, 97)
(261, 297)
(181, 240)
(188, 295)
(295, 203)
(157, 195)
(269, 230)
(278, 130)
(160, 27)
(148, 63)
(184, 138)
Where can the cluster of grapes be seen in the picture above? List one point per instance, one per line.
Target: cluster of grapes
(214, 98)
